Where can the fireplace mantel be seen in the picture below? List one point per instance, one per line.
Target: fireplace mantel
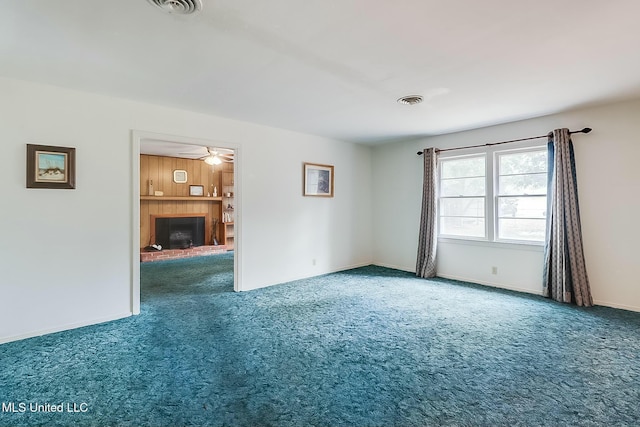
(182, 198)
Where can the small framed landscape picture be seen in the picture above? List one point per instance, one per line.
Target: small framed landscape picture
(196, 190)
(318, 180)
(51, 167)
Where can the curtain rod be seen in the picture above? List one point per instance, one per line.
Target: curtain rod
(585, 130)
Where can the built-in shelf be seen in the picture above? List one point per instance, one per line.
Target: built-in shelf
(184, 198)
(227, 235)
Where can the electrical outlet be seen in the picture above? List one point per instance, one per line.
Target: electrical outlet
(494, 270)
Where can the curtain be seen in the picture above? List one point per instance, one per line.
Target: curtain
(565, 274)
(428, 239)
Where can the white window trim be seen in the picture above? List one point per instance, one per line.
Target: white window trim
(491, 205)
(497, 153)
(516, 245)
(486, 191)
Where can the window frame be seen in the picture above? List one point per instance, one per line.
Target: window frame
(486, 191)
(491, 154)
(497, 196)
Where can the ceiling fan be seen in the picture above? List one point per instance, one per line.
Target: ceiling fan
(216, 156)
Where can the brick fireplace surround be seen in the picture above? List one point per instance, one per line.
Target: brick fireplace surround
(166, 254)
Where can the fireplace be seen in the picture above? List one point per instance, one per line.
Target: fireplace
(180, 232)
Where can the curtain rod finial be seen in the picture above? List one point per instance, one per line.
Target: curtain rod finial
(419, 153)
(586, 130)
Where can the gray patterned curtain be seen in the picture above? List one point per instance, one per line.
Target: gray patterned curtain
(565, 274)
(428, 239)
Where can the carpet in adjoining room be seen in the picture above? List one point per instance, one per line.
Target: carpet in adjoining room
(365, 347)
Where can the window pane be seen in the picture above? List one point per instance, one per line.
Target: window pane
(527, 162)
(522, 207)
(456, 226)
(461, 168)
(462, 201)
(462, 187)
(523, 184)
(462, 207)
(521, 229)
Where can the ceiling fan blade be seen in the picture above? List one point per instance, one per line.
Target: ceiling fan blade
(225, 155)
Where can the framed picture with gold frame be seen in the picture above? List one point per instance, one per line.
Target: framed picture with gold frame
(318, 180)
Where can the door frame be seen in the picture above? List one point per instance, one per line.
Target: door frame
(136, 138)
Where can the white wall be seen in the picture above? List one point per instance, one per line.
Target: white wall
(66, 255)
(608, 186)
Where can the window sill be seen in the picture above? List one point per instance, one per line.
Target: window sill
(521, 246)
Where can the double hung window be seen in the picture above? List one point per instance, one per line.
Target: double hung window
(521, 195)
(496, 195)
(463, 196)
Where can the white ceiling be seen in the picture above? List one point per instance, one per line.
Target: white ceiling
(184, 151)
(336, 67)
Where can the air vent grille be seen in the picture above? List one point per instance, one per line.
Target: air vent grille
(410, 100)
(178, 7)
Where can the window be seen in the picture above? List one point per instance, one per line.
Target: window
(462, 196)
(521, 195)
(494, 196)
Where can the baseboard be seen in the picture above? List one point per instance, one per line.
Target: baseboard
(4, 340)
(350, 267)
(528, 291)
(463, 279)
(616, 305)
(493, 285)
(295, 278)
(396, 267)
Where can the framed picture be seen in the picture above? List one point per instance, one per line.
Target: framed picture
(179, 176)
(318, 180)
(196, 190)
(51, 167)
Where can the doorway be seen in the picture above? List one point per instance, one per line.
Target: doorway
(227, 195)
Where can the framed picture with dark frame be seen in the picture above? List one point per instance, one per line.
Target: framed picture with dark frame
(51, 167)
(196, 190)
(318, 180)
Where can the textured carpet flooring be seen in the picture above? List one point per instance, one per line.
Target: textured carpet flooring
(366, 347)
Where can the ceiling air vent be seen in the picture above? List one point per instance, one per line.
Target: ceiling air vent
(178, 7)
(410, 100)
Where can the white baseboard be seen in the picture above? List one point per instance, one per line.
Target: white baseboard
(350, 267)
(309, 276)
(529, 291)
(616, 305)
(4, 340)
(493, 285)
(464, 279)
(396, 267)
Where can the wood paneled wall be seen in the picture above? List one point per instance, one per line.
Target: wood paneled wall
(160, 170)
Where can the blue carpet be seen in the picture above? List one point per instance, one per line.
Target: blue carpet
(365, 347)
